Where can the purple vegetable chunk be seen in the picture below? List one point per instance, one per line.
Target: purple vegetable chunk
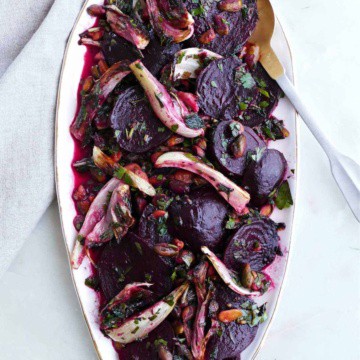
(198, 219)
(133, 260)
(155, 56)
(256, 244)
(136, 126)
(234, 338)
(240, 24)
(220, 147)
(264, 175)
(147, 348)
(266, 100)
(153, 229)
(223, 87)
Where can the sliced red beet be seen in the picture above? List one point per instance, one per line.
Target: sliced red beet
(224, 87)
(147, 348)
(263, 175)
(256, 244)
(220, 149)
(133, 260)
(155, 230)
(234, 337)
(267, 98)
(198, 218)
(137, 129)
(155, 56)
(240, 24)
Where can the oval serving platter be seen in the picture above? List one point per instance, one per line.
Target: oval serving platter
(64, 151)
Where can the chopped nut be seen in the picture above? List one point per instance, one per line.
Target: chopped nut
(238, 147)
(88, 84)
(267, 210)
(159, 213)
(247, 277)
(285, 132)
(103, 66)
(175, 140)
(95, 71)
(95, 10)
(166, 250)
(207, 36)
(230, 5)
(228, 316)
(178, 328)
(220, 25)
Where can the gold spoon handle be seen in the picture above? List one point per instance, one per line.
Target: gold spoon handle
(271, 63)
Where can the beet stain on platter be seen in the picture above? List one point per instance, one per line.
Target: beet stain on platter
(177, 183)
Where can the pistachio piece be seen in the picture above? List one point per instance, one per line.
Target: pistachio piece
(247, 278)
(228, 316)
(238, 147)
(230, 5)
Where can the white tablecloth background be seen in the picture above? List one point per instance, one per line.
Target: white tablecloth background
(318, 316)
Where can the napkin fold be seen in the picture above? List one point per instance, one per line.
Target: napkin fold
(34, 34)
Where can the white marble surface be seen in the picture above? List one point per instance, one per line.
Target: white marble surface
(318, 315)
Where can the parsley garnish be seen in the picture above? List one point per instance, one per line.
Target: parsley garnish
(284, 199)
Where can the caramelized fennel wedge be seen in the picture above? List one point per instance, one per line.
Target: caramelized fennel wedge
(124, 26)
(162, 103)
(111, 167)
(225, 274)
(141, 324)
(117, 219)
(92, 102)
(95, 213)
(178, 29)
(189, 62)
(233, 194)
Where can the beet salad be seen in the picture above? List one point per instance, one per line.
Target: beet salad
(174, 180)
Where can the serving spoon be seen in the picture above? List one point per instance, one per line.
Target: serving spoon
(345, 170)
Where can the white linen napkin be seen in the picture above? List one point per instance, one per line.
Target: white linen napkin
(33, 39)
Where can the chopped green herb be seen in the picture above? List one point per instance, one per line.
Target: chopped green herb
(264, 104)
(139, 248)
(159, 342)
(198, 11)
(148, 277)
(174, 128)
(230, 224)
(213, 84)
(92, 282)
(284, 199)
(180, 57)
(161, 129)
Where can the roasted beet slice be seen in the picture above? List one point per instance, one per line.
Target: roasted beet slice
(137, 128)
(221, 147)
(234, 337)
(198, 219)
(133, 260)
(224, 87)
(155, 230)
(264, 173)
(148, 348)
(266, 100)
(240, 25)
(256, 244)
(155, 56)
